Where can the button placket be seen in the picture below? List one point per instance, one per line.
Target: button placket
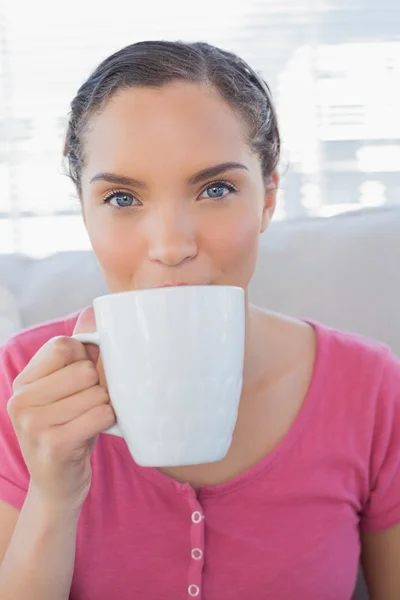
(197, 551)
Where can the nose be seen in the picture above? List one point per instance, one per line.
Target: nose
(171, 238)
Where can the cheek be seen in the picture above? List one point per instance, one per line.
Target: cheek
(116, 249)
(234, 241)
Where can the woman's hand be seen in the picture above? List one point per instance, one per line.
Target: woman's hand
(58, 409)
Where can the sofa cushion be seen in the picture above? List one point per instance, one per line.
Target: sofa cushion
(51, 287)
(10, 321)
(343, 271)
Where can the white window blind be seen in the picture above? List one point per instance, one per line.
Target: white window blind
(333, 66)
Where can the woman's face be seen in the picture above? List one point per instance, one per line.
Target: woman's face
(171, 192)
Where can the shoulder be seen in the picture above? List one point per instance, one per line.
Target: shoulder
(359, 394)
(361, 379)
(19, 350)
(344, 363)
(355, 357)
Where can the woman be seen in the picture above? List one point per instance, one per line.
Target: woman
(173, 149)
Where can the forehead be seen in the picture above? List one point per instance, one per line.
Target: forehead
(178, 124)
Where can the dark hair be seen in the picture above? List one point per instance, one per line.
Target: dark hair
(157, 63)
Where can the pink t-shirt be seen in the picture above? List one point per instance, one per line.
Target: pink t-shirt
(286, 529)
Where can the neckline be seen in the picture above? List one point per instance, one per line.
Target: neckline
(277, 453)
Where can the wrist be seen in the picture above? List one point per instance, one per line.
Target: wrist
(52, 509)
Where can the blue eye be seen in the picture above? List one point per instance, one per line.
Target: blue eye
(120, 199)
(215, 191)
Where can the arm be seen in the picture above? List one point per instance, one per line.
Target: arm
(380, 557)
(54, 415)
(8, 520)
(38, 563)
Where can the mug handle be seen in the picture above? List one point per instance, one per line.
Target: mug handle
(93, 338)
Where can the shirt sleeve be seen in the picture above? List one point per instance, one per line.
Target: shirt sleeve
(14, 475)
(382, 509)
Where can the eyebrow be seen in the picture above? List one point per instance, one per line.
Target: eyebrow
(202, 175)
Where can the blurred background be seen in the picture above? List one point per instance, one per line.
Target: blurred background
(333, 67)
(334, 70)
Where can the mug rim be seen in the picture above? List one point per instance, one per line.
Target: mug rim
(172, 287)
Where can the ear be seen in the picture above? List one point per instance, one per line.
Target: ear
(271, 191)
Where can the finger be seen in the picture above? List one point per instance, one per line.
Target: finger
(70, 409)
(91, 423)
(52, 356)
(74, 378)
(86, 323)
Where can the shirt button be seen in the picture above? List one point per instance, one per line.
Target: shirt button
(197, 516)
(194, 590)
(197, 554)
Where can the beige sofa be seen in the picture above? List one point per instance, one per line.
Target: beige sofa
(343, 271)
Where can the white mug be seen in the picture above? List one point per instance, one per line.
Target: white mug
(173, 361)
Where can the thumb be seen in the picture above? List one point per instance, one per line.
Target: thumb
(86, 323)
